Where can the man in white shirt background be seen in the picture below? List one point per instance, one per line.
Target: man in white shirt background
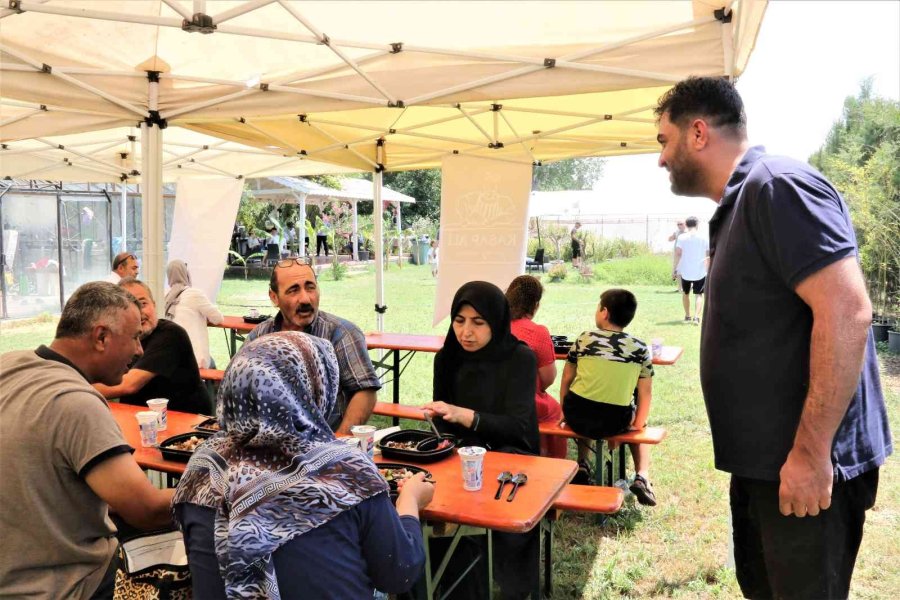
(691, 252)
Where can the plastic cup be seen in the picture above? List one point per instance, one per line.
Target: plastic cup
(366, 436)
(656, 346)
(161, 407)
(472, 467)
(254, 313)
(149, 425)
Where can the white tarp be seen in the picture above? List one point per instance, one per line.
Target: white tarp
(484, 212)
(205, 211)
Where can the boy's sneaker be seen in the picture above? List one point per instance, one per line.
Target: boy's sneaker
(584, 475)
(641, 489)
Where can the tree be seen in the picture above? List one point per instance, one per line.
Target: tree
(424, 185)
(861, 157)
(571, 174)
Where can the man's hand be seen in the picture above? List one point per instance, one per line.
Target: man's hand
(452, 413)
(806, 481)
(359, 409)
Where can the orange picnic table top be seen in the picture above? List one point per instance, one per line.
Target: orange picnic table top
(451, 503)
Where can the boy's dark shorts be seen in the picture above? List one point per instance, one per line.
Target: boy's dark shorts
(596, 419)
(697, 285)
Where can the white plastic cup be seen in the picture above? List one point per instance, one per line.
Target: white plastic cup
(149, 425)
(254, 313)
(656, 346)
(472, 467)
(366, 436)
(161, 407)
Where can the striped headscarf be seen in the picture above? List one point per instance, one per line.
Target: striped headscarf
(275, 470)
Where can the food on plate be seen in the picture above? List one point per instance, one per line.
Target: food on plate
(188, 445)
(395, 475)
(443, 444)
(401, 445)
(211, 425)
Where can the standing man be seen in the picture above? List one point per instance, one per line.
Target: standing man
(691, 250)
(124, 265)
(576, 246)
(788, 364)
(168, 368)
(293, 288)
(679, 229)
(64, 460)
(322, 235)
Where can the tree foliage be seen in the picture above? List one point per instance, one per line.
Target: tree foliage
(425, 186)
(861, 157)
(571, 174)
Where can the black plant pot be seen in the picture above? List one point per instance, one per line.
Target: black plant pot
(880, 331)
(894, 341)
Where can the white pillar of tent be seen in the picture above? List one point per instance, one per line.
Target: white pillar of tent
(152, 210)
(301, 222)
(378, 218)
(355, 237)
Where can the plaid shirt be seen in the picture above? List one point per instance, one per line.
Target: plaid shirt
(356, 370)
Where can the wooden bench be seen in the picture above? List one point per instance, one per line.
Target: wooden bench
(214, 375)
(600, 500)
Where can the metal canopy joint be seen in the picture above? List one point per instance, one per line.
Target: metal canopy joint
(199, 22)
(723, 15)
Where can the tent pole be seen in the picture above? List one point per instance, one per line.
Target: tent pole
(355, 239)
(3, 265)
(152, 210)
(378, 218)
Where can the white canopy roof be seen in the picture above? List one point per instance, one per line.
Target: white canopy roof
(525, 81)
(289, 189)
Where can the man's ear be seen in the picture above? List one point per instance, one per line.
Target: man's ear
(99, 337)
(698, 134)
(274, 298)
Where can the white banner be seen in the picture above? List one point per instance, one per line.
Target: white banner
(484, 221)
(205, 210)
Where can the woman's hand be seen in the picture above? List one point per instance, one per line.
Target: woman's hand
(415, 494)
(451, 413)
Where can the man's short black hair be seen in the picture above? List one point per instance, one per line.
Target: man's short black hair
(714, 99)
(621, 305)
(692, 221)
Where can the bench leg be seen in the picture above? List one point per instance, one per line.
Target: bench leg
(547, 534)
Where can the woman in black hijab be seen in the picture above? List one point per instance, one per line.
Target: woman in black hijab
(484, 385)
(482, 390)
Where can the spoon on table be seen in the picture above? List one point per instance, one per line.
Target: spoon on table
(518, 479)
(503, 478)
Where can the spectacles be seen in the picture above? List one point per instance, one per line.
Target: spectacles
(303, 261)
(123, 260)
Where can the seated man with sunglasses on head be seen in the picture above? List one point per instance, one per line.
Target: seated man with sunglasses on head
(293, 288)
(124, 265)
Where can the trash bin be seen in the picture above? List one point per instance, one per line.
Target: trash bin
(420, 249)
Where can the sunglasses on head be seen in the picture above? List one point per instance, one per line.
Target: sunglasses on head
(123, 260)
(304, 261)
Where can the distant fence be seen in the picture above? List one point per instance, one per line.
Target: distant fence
(654, 230)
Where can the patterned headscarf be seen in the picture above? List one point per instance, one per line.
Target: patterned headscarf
(275, 470)
(179, 280)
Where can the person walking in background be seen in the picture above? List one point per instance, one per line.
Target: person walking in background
(691, 252)
(679, 229)
(189, 307)
(125, 264)
(524, 297)
(433, 258)
(322, 235)
(576, 246)
(787, 358)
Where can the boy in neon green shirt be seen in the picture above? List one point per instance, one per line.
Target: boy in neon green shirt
(606, 368)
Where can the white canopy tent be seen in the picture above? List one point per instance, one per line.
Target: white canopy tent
(383, 85)
(300, 191)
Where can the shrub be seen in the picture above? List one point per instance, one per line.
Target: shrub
(557, 272)
(639, 270)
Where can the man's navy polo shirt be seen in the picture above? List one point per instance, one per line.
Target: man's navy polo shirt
(779, 221)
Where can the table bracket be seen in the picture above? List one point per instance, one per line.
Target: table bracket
(432, 581)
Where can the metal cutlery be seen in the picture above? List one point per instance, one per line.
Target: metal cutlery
(433, 427)
(503, 478)
(518, 479)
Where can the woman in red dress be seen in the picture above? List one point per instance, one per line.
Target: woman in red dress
(524, 297)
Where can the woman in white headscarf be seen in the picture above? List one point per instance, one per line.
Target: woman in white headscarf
(189, 307)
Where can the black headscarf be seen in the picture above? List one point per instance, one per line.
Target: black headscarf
(488, 301)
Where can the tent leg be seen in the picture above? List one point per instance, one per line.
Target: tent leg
(354, 241)
(378, 218)
(152, 211)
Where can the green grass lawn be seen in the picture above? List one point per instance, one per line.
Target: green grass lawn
(677, 549)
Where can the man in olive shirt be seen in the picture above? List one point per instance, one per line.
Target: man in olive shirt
(63, 459)
(167, 369)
